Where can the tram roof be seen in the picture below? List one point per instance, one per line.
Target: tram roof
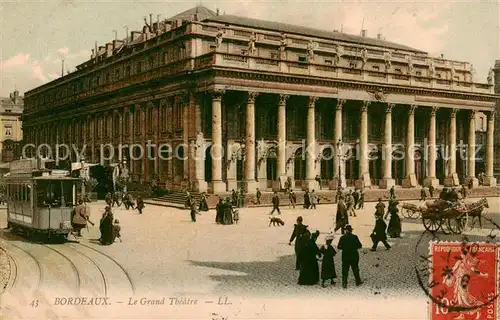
(20, 177)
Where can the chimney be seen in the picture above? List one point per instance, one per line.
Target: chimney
(93, 54)
(151, 22)
(101, 48)
(379, 36)
(109, 50)
(218, 10)
(442, 56)
(363, 33)
(136, 35)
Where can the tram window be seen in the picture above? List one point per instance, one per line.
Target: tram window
(49, 193)
(67, 191)
(28, 193)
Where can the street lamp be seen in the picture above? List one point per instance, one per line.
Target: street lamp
(83, 175)
(340, 148)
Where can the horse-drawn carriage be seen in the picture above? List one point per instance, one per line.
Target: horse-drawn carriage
(450, 217)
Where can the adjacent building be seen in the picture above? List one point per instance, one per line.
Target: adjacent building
(11, 110)
(276, 98)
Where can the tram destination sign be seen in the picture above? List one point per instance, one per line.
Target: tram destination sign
(22, 167)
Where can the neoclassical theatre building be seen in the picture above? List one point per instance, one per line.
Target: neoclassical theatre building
(276, 98)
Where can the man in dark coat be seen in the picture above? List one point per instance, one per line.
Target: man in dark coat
(342, 218)
(392, 193)
(106, 227)
(219, 211)
(298, 231)
(431, 191)
(350, 244)
(423, 195)
(355, 196)
(464, 192)
(378, 234)
(258, 196)
(276, 203)
(380, 207)
(307, 200)
(453, 195)
(361, 200)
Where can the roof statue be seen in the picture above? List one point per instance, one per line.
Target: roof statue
(491, 76)
(251, 44)
(310, 50)
(219, 37)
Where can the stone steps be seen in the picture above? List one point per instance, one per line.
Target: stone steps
(178, 199)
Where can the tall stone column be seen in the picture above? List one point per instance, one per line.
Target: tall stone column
(471, 151)
(310, 182)
(387, 181)
(490, 180)
(431, 180)
(218, 186)
(281, 150)
(364, 173)
(250, 182)
(410, 179)
(142, 130)
(452, 179)
(338, 170)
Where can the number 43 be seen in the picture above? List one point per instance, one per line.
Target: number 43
(34, 303)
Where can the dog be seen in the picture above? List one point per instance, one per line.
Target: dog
(276, 221)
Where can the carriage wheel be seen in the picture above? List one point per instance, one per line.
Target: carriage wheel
(468, 222)
(445, 226)
(407, 213)
(414, 214)
(457, 225)
(432, 224)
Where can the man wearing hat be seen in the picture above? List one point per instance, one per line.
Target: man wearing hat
(349, 244)
(378, 234)
(380, 207)
(342, 218)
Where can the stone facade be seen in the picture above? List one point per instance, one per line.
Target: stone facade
(11, 109)
(248, 103)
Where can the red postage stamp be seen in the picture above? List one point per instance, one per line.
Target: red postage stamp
(463, 281)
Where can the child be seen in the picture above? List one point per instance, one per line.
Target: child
(116, 230)
(236, 216)
(327, 265)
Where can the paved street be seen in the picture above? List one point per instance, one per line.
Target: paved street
(166, 254)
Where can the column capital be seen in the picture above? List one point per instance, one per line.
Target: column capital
(388, 108)
(472, 114)
(252, 96)
(312, 101)
(453, 113)
(283, 98)
(434, 110)
(217, 94)
(340, 104)
(365, 105)
(182, 98)
(411, 109)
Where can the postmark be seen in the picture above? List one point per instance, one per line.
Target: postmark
(463, 280)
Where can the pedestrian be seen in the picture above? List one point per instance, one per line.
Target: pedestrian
(423, 195)
(258, 196)
(219, 211)
(298, 231)
(394, 227)
(327, 264)
(116, 196)
(106, 227)
(292, 198)
(350, 204)
(227, 216)
(453, 196)
(276, 203)
(361, 200)
(309, 270)
(392, 193)
(241, 198)
(234, 198)
(349, 244)
(203, 202)
(307, 200)
(313, 199)
(464, 191)
(378, 234)
(80, 218)
(342, 218)
(236, 215)
(86, 198)
(193, 211)
(108, 199)
(380, 208)
(140, 204)
(117, 230)
(431, 191)
(355, 196)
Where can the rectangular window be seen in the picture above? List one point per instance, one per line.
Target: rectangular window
(165, 57)
(377, 68)
(418, 73)
(398, 70)
(328, 62)
(150, 120)
(127, 71)
(352, 65)
(302, 59)
(275, 55)
(7, 130)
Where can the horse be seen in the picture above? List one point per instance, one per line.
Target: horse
(475, 210)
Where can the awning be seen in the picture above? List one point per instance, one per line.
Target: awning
(78, 165)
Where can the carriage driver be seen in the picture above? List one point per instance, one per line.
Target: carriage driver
(80, 218)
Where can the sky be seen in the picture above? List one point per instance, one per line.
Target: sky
(36, 35)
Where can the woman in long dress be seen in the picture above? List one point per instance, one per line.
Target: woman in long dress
(328, 266)
(394, 226)
(106, 227)
(309, 269)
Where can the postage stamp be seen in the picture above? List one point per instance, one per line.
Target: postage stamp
(463, 281)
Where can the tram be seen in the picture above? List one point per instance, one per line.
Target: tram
(39, 201)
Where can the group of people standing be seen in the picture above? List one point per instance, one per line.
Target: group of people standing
(125, 199)
(307, 254)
